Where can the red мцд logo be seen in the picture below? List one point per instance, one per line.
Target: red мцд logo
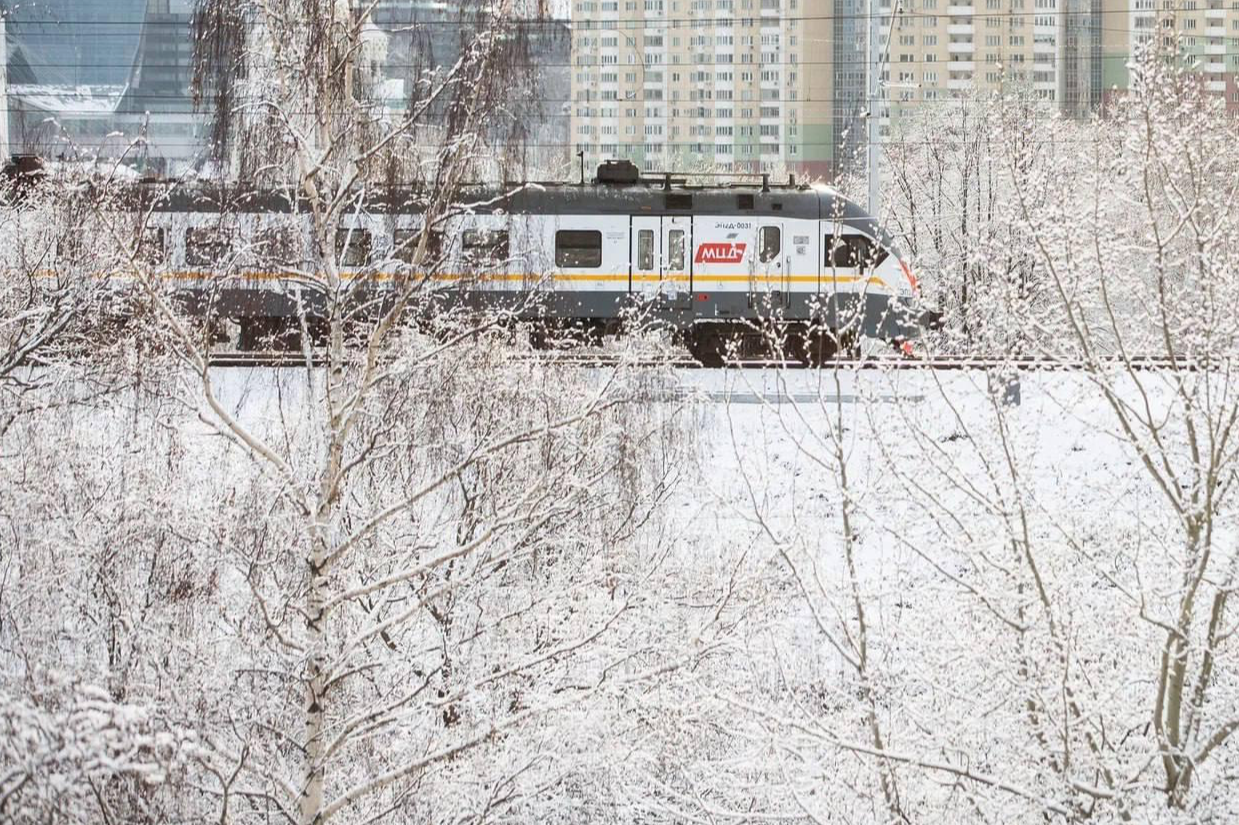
(719, 253)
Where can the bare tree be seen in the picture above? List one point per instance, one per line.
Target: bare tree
(1045, 590)
(948, 174)
(1147, 270)
(429, 546)
(66, 311)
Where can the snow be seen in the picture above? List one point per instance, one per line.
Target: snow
(743, 569)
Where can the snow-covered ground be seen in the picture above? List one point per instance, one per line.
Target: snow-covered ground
(838, 559)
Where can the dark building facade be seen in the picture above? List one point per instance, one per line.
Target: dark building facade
(849, 95)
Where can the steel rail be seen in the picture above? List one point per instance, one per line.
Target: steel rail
(586, 357)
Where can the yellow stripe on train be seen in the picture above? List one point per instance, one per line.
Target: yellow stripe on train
(697, 280)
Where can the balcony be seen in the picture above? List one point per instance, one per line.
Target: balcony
(961, 48)
(961, 28)
(961, 66)
(961, 10)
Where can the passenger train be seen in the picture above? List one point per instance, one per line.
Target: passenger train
(721, 265)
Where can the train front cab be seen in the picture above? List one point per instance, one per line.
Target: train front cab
(815, 287)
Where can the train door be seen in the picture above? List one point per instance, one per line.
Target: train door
(660, 257)
(646, 253)
(770, 267)
(677, 272)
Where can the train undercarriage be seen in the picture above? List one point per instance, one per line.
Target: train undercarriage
(713, 332)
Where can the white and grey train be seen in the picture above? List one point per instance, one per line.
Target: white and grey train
(718, 264)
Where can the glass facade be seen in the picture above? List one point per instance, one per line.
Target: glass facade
(73, 42)
(87, 77)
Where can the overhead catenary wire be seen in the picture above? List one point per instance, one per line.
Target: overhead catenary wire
(45, 114)
(556, 145)
(545, 64)
(670, 22)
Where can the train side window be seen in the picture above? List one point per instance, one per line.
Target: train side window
(406, 241)
(277, 245)
(353, 247)
(70, 248)
(675, 255)
(645, 249)
(770, 243)
(206, 245)
(578, 249)
(152, 247)
(485, 246)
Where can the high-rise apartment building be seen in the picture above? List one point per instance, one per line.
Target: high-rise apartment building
(1203, 33)
(746, 85)
(741, 85)
(948, 48)
(1072, 52)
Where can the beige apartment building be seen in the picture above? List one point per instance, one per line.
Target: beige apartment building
(1048, 46)
(780, 85)
(1073, 52)
(677, 85)
(1204, 33)
(939, 49)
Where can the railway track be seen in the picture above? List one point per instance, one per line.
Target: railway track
(572, 358)
(601, 359)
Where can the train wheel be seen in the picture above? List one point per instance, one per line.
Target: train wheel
(708, 346)
(592, 333)
(818, 347)
(849, 345)
(259, 334)
(787, 344)
(540, 336)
